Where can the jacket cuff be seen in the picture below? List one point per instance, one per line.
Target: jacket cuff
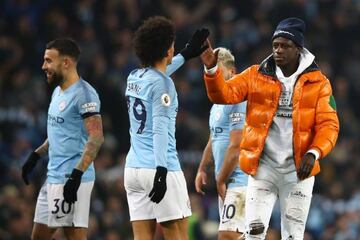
(315, 153)
(211, 71)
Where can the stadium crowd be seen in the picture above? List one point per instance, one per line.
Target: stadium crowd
(104, 31)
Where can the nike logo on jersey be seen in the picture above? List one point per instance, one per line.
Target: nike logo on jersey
(223, 222)
(58, 217)
(159, 180)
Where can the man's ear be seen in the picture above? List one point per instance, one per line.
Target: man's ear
(168, 52)
(67, 62)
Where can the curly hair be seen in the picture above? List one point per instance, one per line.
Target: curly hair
(153, 39)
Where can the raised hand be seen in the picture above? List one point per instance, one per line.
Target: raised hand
(209, 57)
(196, 45)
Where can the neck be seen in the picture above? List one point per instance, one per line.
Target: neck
(161, 65)
(69, 79)
(290, 68)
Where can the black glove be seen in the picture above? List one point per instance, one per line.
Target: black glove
(72, 185)
(159, 188)
(29, 165)
(196, 46)
(307, 164)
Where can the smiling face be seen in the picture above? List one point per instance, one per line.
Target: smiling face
(52, 66)
(285, 51)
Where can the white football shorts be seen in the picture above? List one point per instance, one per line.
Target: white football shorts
(232, 210)
(174, 205)
(53, 211)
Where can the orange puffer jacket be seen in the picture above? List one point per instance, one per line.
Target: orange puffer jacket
(315, 123)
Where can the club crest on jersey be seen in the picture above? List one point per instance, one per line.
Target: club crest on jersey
(62, 105)
(165, 100)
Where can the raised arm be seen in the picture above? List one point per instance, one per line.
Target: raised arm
(218, 90)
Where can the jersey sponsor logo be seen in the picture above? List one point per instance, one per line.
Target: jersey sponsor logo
(165, 100)
(216, 129)
(52, 120)
(58, 217)
(62, 105)
(89, 107)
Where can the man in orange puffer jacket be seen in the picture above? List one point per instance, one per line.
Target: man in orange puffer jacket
(291, 124)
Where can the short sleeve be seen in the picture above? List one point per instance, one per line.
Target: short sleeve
(88, 103)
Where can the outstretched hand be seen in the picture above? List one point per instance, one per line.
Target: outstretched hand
(209, 57)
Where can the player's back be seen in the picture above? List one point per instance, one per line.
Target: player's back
(223, 119)
(150, 94)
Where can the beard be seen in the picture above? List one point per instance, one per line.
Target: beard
(55, 79)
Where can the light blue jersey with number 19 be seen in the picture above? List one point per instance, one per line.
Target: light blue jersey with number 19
(152, 108)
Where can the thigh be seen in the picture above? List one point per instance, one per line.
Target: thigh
(62, 214)
(144, 229)
(75, 233)
(232, 212)
(42, 232)
(295, 198)
(261, 196)
(175, 229)
(42, 207)
(137, 184)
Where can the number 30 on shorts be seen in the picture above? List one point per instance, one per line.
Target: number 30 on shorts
(60, 204)
(228, 211)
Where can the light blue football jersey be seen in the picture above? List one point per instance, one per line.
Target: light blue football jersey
(223, 119)
(67, 135)
(152, 108)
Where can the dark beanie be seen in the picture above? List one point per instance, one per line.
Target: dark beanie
(291, 28)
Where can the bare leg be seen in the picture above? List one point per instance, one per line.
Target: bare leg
(175, 229)
(42, 232)
(228, 235)
(144, 229)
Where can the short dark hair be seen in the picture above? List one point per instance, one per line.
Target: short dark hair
(153, 39)
(65, 46)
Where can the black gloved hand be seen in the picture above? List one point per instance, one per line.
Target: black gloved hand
(196, 46)
(29, 165)
(72, 185)
(307, 164)
(159, 188)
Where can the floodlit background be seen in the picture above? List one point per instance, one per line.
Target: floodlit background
(104, 31)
